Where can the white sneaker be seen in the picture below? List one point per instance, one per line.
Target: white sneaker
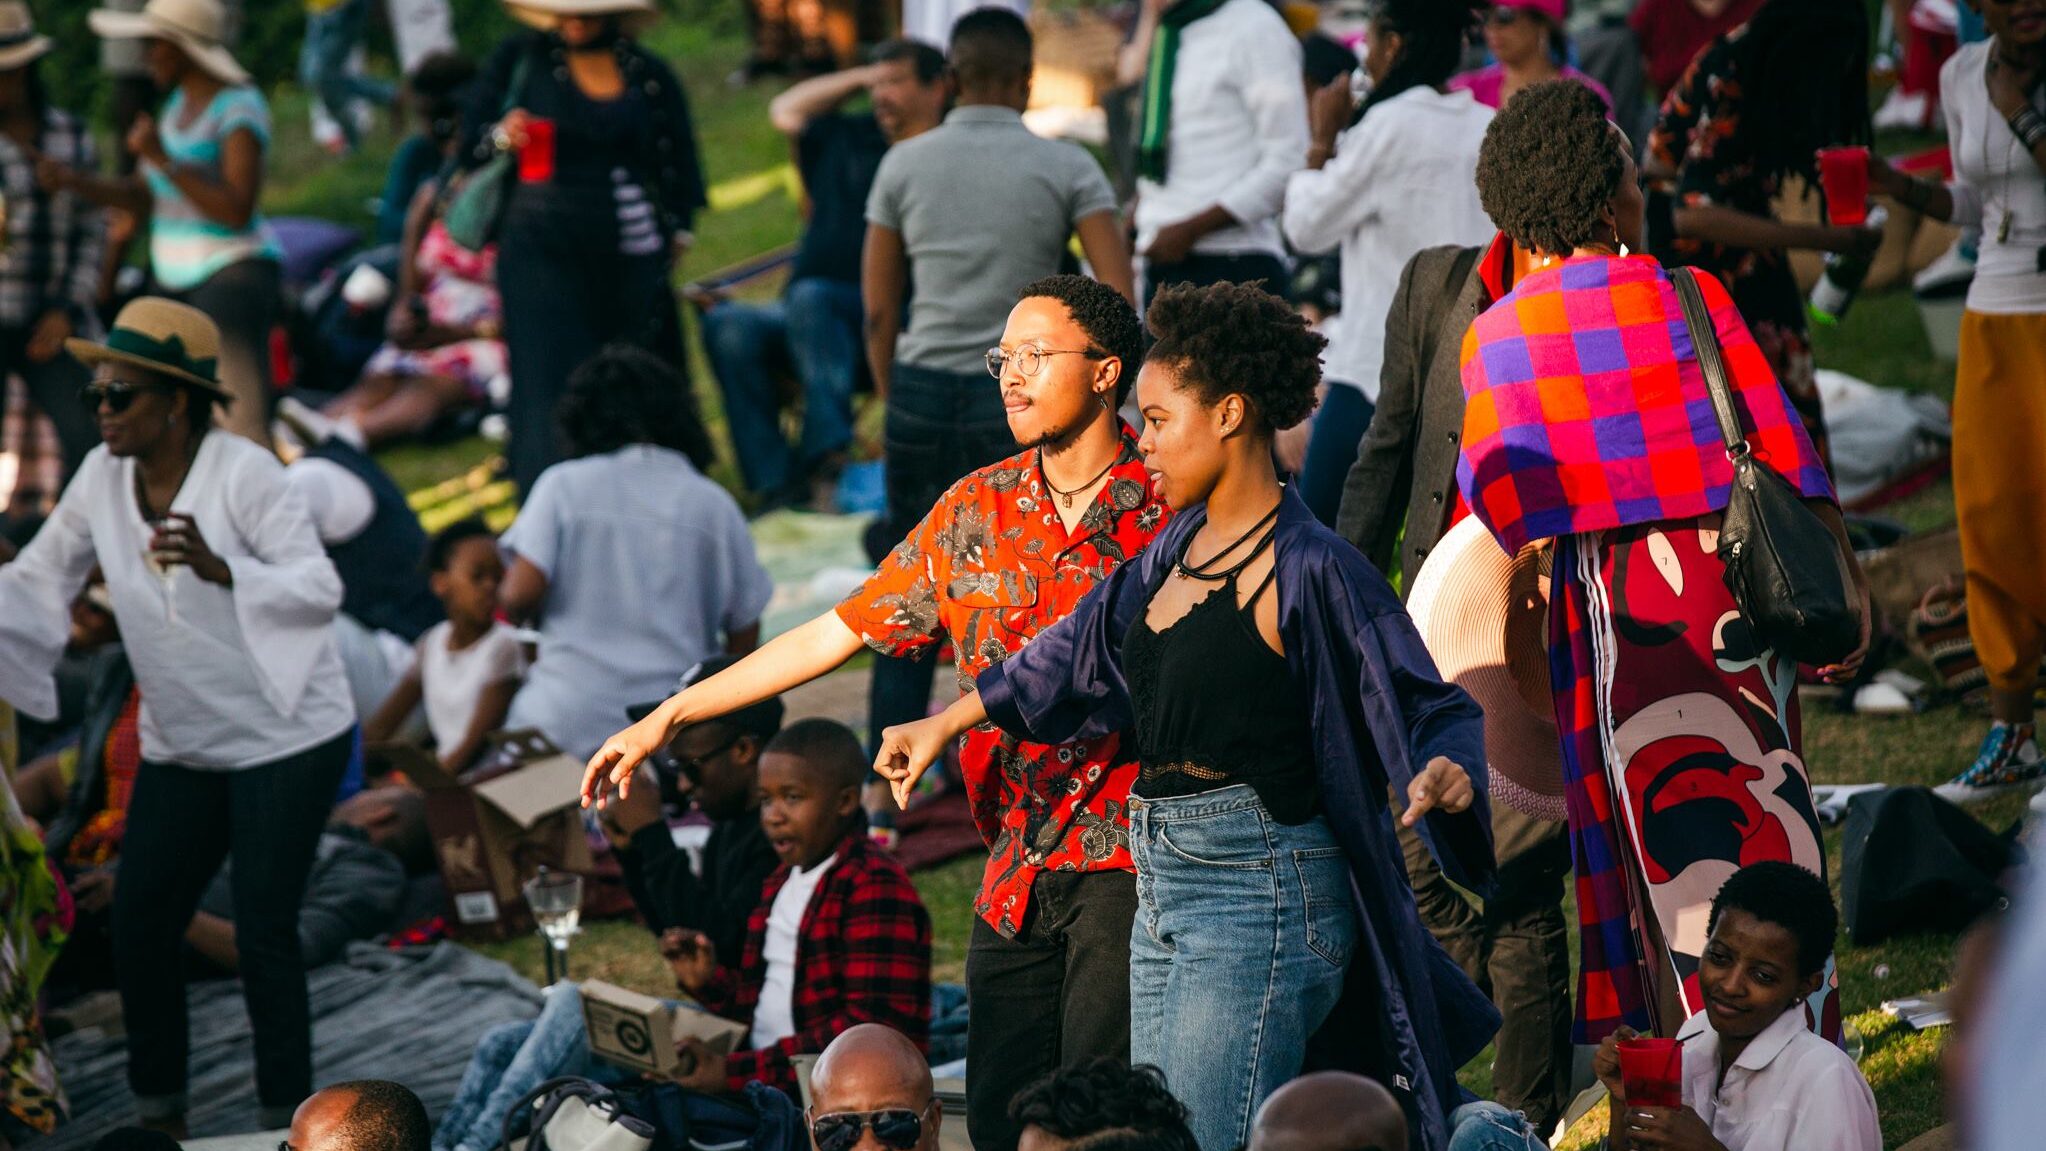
(1908, 111)
(1952, 269)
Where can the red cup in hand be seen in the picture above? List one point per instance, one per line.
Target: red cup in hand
(536, 157)
(1653, 1072)
(1843, 174)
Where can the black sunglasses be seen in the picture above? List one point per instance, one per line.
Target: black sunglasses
(116, 395)
(898, 1128)
(692, 766)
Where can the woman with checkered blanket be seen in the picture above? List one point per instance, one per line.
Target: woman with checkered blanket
(1588, 423)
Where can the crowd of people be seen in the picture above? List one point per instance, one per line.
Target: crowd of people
(1202, 553)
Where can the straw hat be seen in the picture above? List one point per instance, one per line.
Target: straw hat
(20, 46)
(1482, 615)
(197, 27)
(166, 337)
(547, 15)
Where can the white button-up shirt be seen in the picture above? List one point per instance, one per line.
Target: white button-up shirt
(231, 677)
(1790, 1090)
(1239, 128)
(1403, 179)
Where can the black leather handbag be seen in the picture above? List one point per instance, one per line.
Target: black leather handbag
(1782, 562)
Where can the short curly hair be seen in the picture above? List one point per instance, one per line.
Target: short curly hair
(627, 395)
(1549, 166)
(1238, 339)
(1102, 1094)
(1788, 896)
(1108, 319)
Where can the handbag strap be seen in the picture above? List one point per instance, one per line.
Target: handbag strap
(590, 1093)
(1705, 343)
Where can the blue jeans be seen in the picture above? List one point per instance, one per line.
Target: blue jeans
(1339, 428)
(1245, 927)
(510, 1061)
(813, 331)
(1490, 1127)
(330, 37)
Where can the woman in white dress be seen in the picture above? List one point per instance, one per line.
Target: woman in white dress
(226, 601)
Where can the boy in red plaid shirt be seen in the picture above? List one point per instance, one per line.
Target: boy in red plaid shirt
(839, 937)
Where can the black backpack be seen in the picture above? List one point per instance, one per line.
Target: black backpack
(1914, 862)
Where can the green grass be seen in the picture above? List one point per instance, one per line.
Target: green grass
(755, 208)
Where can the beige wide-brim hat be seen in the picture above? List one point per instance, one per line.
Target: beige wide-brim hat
(20, 46)
(546, 15)
(1482, 615)
(197, 27)
(163, 336)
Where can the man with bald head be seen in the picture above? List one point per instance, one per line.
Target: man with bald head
(364, 1115)
(871, 1091)
(1330, 1111)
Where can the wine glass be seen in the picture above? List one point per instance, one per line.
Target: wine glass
(165, 573)
(556, 900)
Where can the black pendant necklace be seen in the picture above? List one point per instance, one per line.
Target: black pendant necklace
(1067, 496)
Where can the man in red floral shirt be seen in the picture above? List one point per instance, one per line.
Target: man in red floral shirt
(1007, 552)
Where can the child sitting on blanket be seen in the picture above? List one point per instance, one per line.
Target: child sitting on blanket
(838, 938)
(466, 668)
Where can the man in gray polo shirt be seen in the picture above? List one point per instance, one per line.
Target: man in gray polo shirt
(970, 212)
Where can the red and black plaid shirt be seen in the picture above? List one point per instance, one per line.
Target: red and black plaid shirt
(863, 955)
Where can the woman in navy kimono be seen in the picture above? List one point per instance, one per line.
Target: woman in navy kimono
(1276, 691)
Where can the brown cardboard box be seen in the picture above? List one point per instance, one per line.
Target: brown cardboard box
(491, 836)
(639, 1032)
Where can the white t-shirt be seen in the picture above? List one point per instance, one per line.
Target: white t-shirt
(775, 1018)
(647, 563)
(1790, 1090)
(1403, 179)
(452, 682)
(231, 677)
(1996, 184)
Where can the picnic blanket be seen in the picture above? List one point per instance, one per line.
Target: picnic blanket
(412, 1015)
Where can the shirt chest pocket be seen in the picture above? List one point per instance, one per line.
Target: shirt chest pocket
(1001, 612)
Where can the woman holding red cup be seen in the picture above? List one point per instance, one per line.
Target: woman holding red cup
(1995, 107)
(608, 185)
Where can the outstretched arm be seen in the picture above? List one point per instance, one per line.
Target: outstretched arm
(908, 750)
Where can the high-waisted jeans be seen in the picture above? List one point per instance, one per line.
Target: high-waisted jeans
(1245, 927)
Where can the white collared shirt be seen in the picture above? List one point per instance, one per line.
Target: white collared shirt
(1790, 1090)
(1403, 179)
(231, 677)
(1239, 128)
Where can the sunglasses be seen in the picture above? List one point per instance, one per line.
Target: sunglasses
(117, 396)
(897, 1128)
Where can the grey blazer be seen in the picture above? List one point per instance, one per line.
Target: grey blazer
(1405, 474)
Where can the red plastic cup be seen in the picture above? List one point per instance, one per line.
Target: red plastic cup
(536, 158)
(1843, 174)
(1652, 1070)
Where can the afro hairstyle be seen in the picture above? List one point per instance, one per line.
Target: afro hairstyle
(1238, 339)
(1549, 166)
(1789, 897)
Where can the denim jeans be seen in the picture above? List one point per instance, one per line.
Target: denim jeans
(1245, 928)
(940, 426)
(510, 1061)
(1490, 1127)
(813, 331)
(330, 37)
(1339, 429)
(183, 823)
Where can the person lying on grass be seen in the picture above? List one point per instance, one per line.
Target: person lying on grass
(1755, 1077)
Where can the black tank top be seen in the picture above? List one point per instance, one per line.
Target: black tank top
(1216, 706)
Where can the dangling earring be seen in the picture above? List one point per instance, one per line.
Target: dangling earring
(1106, 405)
(1619, 244)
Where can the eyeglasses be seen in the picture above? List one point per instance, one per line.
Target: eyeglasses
(1029, 359)
(692, 765)
(116, 394)
(897, 1128)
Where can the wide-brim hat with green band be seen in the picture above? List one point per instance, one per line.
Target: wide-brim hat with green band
(165, 337)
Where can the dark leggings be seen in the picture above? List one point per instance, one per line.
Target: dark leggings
(183, 823)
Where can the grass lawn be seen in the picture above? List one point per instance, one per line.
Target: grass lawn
(755, 208)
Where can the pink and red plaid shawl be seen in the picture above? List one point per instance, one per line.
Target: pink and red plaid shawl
(1586, 408)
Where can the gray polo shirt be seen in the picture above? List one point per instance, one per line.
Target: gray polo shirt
(984, 207)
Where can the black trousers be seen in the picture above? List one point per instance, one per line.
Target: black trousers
(940, 426)
(182, 824)
(53, 386)
(562, 304)
(1201, 269)
(1058, 993)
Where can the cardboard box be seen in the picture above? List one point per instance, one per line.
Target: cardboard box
(492, 835)
(639, 1032)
